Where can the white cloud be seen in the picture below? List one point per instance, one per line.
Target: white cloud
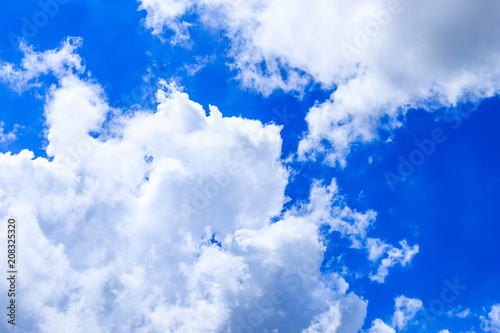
(379, 55)
(405, 311)
(444, 331)
(344, 317)
(492, 322)
(326, 322)
(122, 228)
(327, 207)
(6, 137)
(67, 130)
(378, 326)
(192, 69)
(402, 256)
(59, 62)
(164, 13)
(458, 312)
(376, 248)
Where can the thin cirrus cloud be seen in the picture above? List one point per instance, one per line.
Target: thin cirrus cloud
(381, 58)
(160, 220)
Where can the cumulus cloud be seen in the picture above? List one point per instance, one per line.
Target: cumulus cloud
(161, 220)
(405, 310)
(492, 322)
(378, 326)
(380, 57)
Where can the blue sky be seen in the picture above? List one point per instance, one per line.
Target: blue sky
(300, 117)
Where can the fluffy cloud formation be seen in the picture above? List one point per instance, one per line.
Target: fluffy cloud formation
(381, 57)
(492, 322)
(405, 310)
(378, 326)
(161, 220)
(326, 207)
